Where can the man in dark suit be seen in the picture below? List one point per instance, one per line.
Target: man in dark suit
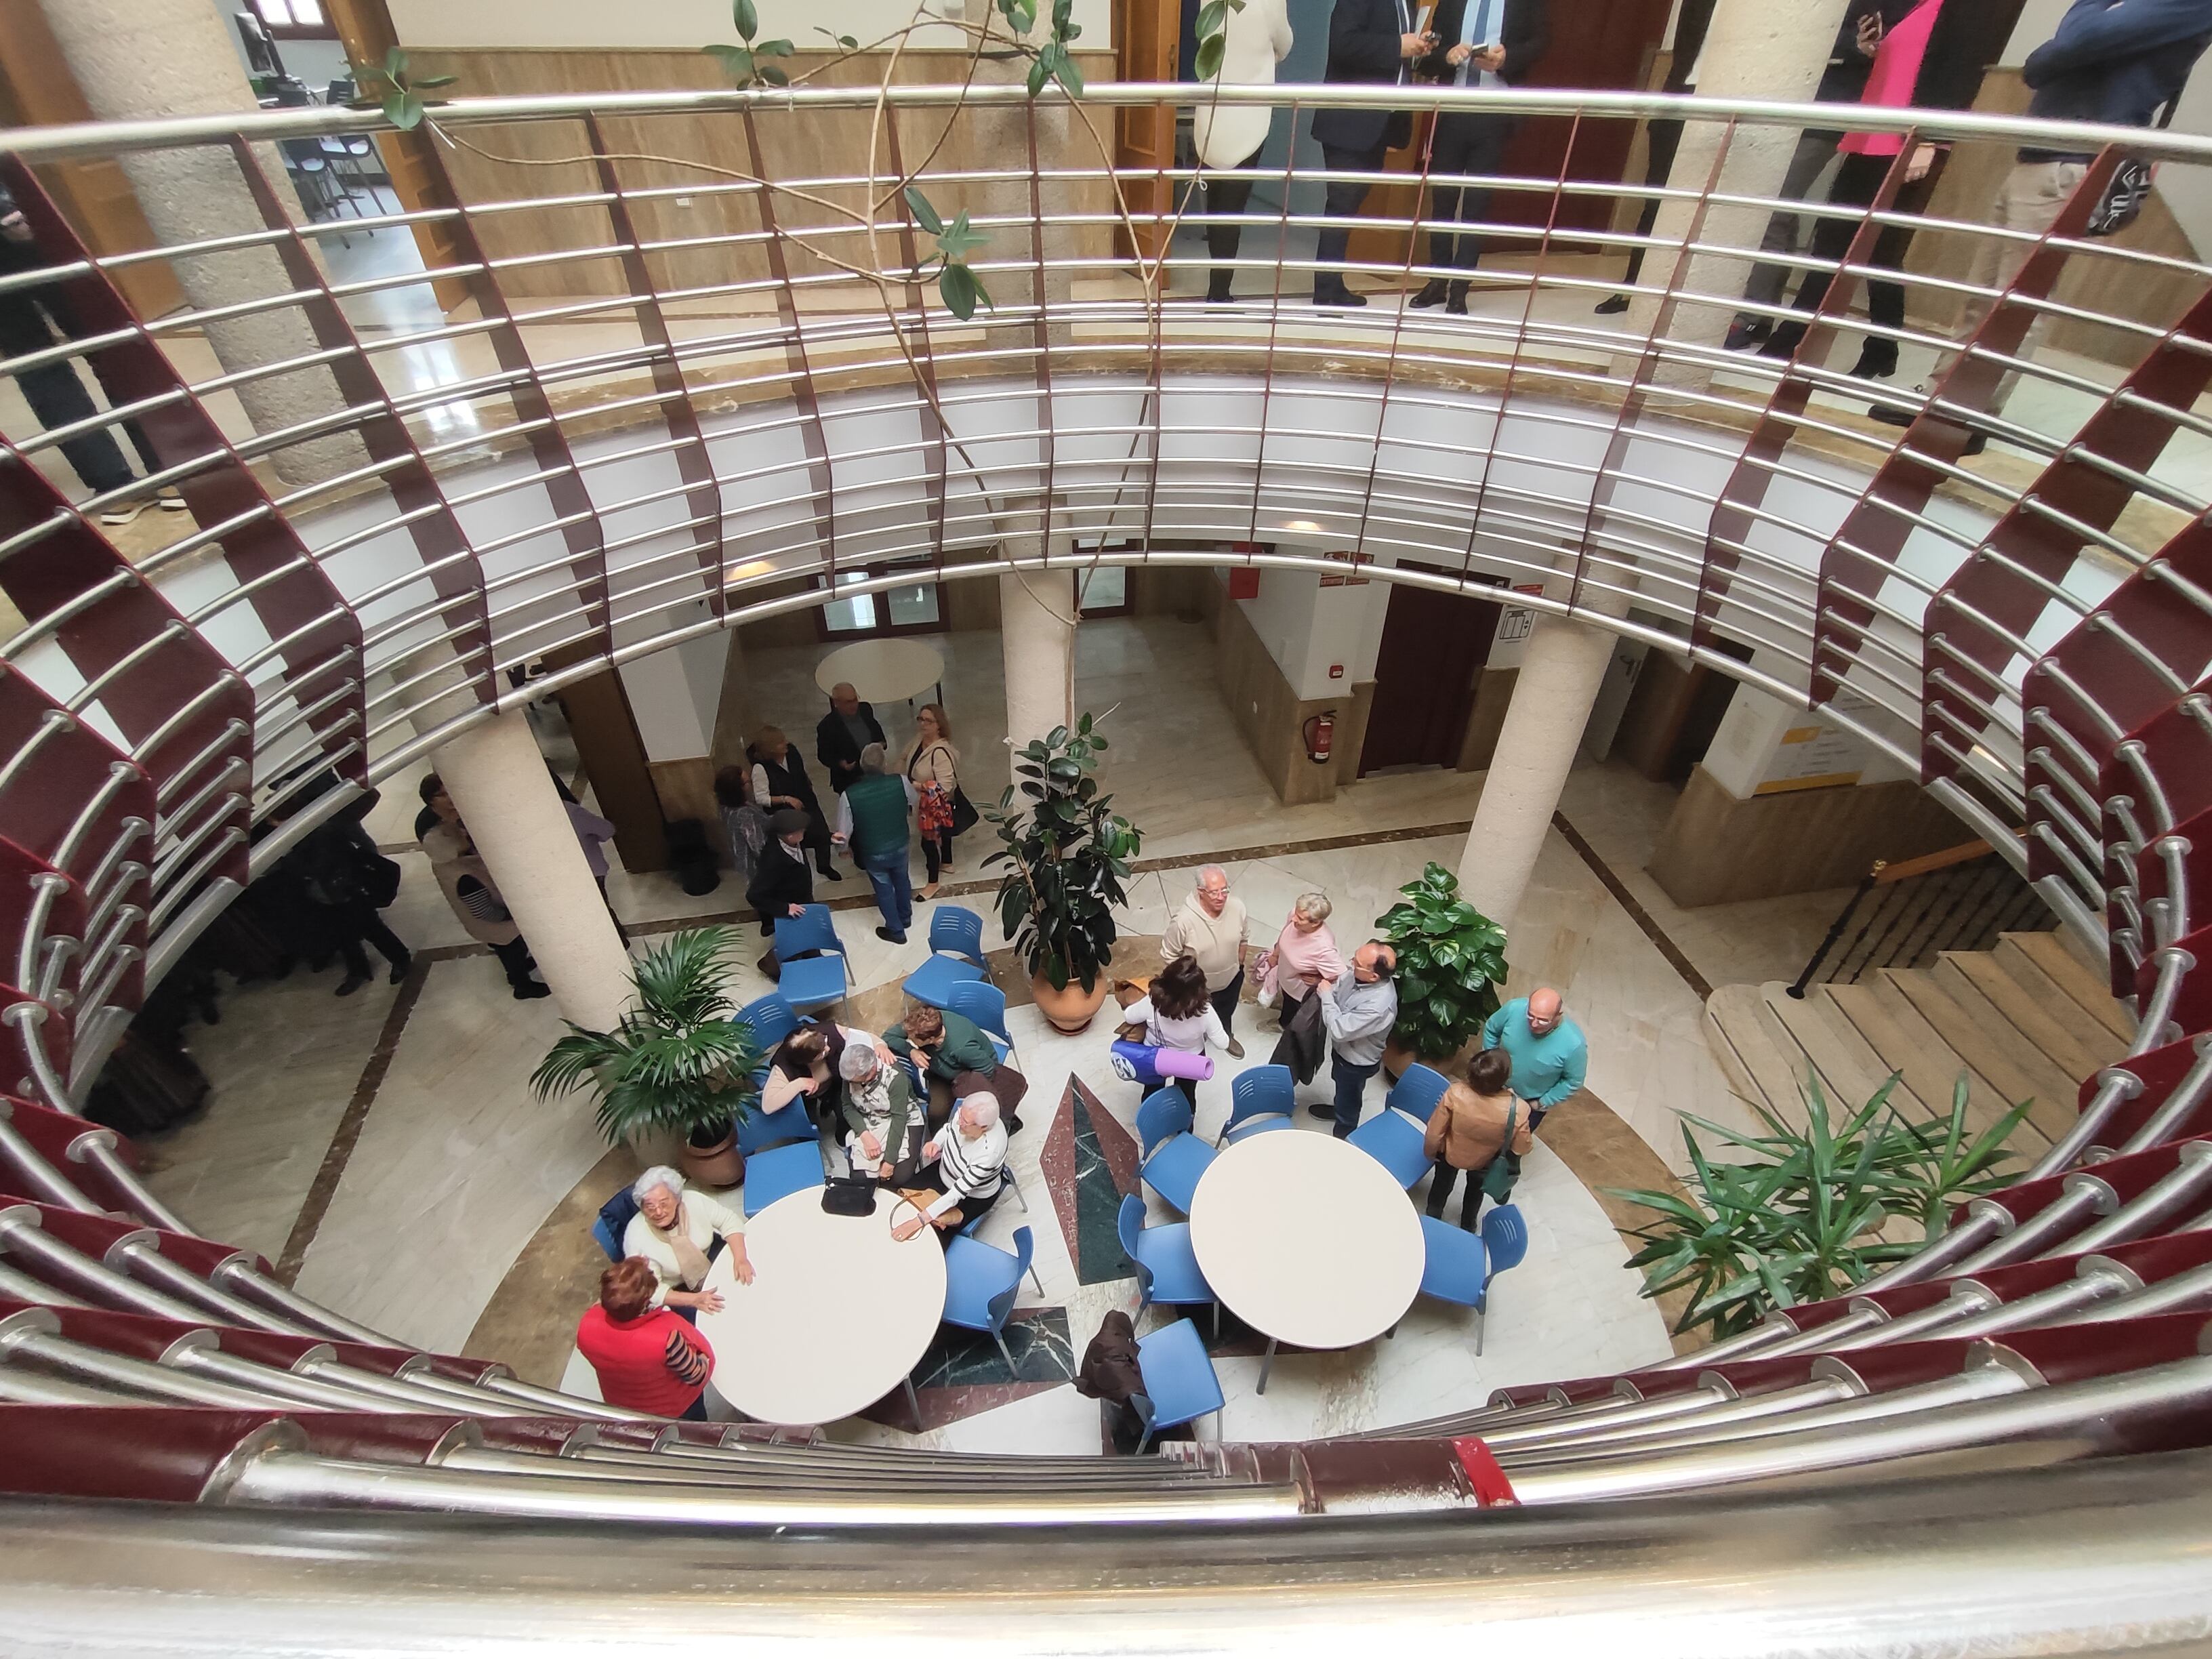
(1479, 43)
(1370, 41)
(844, 730)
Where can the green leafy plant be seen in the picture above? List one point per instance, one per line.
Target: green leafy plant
(961, 288)
(743, 64)
(677, 1059)
(1213, 35)
(1451, 960)
(1797, 1216)
(1068, 852)
(387, 85)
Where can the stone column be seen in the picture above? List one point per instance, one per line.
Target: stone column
(1768, 50)
(1562, 666)
(156, 60)
(1036, 631)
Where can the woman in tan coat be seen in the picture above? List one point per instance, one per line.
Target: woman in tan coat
(467, 885)
(1468, 1129)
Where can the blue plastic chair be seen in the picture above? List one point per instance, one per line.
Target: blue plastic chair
(1395, 1141)
(1260, 1098)
(612, 1222)
(780, 1171)
(771, 1019)
(811, 981)
(762, 1130)
(1180, 1383)
(1504, 1242)
(986, 1004)
(959, 931)
(1454, 1263)
(1417, 1090)
(980, 1281)
(1174, 1157)
(936, 980)
(1167, 1267)
(1006, 1184)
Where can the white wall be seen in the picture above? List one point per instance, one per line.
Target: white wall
(685, 24)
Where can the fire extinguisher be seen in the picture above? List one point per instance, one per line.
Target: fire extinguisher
(1320, 732)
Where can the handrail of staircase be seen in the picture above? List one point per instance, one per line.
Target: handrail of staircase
(1885, 874)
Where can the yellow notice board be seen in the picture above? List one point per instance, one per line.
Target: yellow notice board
(1813, 757)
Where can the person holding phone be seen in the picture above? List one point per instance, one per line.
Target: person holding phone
(1369, 42)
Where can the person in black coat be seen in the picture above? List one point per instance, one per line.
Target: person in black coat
(1479, 43)
(783, 881)
(849, 727)
(1370, 41)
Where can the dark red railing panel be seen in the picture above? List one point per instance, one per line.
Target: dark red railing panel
(294, 600)
(2160, 1070)
(165, 1454)
(32, 893)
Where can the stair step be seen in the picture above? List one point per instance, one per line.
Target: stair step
(2089, 987)
(1988, 1043)
(2093, 961)
(1895, 1030)
(2035, 1023)
(2102, 1027)
(1850, 1069)
(1772, 1072)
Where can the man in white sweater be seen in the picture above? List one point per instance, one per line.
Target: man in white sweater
(1212, 927)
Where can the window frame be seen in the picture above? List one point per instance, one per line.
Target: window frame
(325, 30)
(883, 628)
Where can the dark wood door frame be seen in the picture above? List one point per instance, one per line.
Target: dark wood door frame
(1463, 701)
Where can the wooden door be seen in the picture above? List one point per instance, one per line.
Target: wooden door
(1596, 45)
(1433, 644)
(1150, 35)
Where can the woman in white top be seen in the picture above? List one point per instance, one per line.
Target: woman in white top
(675, 1230)
(1176, 1013)
(933, 777)
(1255, 39)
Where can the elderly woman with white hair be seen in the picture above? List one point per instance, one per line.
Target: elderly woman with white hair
(1304, 956)
(879, 1109)
(678, 1232)
(963, 1167)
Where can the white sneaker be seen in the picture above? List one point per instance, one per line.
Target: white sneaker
(170, 501)
(121, 512)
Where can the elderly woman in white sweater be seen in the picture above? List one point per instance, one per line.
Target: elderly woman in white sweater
(675, 1230)
(1256, 39)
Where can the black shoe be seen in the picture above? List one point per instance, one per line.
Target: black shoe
(891, 935)
(1013, 1126)
(1877, 359)
(1455, 301)
(1339, 296)
(1327, 1111)
(1784, 341)
(400, 968)
(830, 874)
(1217, 294)
(1433, 294)
(1975, 444)
(1892, 415)
(532, 990)
(1746, 336)
(351, 983)
(1613, 305)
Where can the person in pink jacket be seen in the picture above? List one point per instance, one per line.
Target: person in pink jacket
(1304, 956)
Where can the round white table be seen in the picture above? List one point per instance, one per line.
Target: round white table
(883, 670)
(1306, 1239)
(838, 1312)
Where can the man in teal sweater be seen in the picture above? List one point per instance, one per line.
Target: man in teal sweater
(1549, 1056)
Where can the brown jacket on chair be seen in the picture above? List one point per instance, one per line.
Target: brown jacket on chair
(1467, 1129)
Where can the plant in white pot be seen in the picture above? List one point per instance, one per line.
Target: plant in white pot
(1067, 854)
(678, 1060)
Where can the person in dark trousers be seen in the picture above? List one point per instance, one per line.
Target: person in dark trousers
(1480, 43)
(872, 820)
(780, 781)
(1369, 42)
(782, 882)
(1663, 138)
(348, 882)
(849, 727)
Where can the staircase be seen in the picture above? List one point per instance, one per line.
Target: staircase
(2026, 1020)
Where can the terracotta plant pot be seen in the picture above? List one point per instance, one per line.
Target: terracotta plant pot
(718, 1165)
(1069, 1011)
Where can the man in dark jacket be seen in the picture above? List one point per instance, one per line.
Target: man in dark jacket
(1369, 42)
(1480, 43)
(783, 881)
(2114, 61)
(849, 727)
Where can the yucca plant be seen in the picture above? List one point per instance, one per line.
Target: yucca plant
(1451, 960)
(1797, 1217)
(677, 1059)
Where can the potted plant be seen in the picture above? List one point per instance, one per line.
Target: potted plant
(677, 1059)
(1067, 854)
(1451, 960)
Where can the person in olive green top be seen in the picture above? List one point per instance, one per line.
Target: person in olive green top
(879, 1109)
(872, 820)
(955, 1057)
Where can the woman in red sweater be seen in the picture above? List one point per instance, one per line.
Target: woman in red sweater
(647, 1358)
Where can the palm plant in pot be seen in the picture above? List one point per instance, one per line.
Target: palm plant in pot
(1451, 960)
(678, 1060)
(1067, 854)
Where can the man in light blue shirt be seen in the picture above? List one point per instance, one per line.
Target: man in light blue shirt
(1550, 1059)
(1481, 44)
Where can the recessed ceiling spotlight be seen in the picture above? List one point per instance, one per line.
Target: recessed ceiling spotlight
(1305, 525)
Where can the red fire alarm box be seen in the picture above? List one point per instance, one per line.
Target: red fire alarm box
(1243, 582)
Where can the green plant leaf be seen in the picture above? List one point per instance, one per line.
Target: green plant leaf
(435, 81)
(735, 61)
(773, 49)
(956, 240)
(1064, 67)
(1211, 51)
(924, 214)
(957, 286)
(743, 14)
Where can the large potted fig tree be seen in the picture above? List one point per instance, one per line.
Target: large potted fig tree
(1451, 960)
(1067, 854)
(678, 1060)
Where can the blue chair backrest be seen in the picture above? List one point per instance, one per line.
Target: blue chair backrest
(1260, 1090)
(615, 1216)
(1024, 1247)
(772, 1019)
(1164, 1113)
(958, 930)
(812, 930)
(607, 1239)
(1129, 1222)
(1417, 1091)
(1505, 1237)
(984, 1004)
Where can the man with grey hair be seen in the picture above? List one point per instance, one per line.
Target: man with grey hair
(1360, 1009)
(1210, 927)
(872, 820)
(849, 727)
(964, 1167)
(879, 1110)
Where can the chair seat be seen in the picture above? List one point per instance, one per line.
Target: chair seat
(1174, 1169)
(1167, 1251)
(812, 981)
(1392, 1140)
(765, 1129)
(779, 1172)
(1178, 1376)
(1258, 1126)
(975, 1273)
(933, 980)
(1455, 1266)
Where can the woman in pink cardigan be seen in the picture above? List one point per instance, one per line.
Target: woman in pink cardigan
(1303, 957)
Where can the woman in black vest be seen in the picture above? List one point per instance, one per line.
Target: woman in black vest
(780, 780)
